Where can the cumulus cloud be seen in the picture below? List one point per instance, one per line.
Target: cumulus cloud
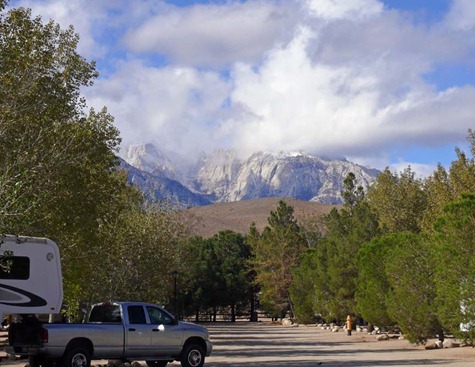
(178, 107)
(214, 35)
(352, 88)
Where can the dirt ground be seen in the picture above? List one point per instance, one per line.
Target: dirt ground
(268, 345)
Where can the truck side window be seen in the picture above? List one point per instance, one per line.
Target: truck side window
(105, 313)
(136, 315)
(158, 317)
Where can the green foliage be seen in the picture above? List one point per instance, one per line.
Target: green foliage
(302, 293)
(330, 272)
(219, 276)
(275, 251)
(410, 271)
(353, 194)
(147, 245)
(455, 239)
(399, 201)
(373, 285)
(396, 284)
(444, 187)
(40, 78)
(348, 229)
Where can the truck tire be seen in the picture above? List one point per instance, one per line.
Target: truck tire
(156, 363)
(77, 357)
(192, 356)
(36, 361)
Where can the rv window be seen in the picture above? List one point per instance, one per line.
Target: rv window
(14, 267)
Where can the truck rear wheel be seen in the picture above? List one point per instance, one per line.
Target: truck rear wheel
(36, 361)
(41, 361)
(77, 357)
(192, 356)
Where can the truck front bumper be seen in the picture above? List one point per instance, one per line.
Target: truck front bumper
(209, 348)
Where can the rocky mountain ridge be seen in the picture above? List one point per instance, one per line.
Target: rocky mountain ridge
(223, 177)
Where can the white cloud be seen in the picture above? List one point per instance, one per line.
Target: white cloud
(329, 93)
(337, 9)
(177, 107)
(213, 35)
(462, 15)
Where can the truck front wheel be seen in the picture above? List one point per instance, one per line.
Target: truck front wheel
(77, 357)
(192, 356)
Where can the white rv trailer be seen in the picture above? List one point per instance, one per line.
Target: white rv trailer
(30, 276)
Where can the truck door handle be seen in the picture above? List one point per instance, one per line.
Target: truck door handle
(155, 330)
(131, 329)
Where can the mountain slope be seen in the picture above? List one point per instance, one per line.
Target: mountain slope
(163, 188)
(238, 216)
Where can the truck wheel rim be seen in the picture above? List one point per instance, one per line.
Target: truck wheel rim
(79, 360)
(194, 358)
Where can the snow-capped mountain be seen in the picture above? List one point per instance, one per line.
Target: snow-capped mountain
(223, 177)
(297, 175)
(147, 158)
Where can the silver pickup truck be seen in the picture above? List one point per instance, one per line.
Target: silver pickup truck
(128, 331)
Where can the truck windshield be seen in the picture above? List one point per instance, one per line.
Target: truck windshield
(105, 313)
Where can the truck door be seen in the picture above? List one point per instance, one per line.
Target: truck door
(167, 336)
(138, 333)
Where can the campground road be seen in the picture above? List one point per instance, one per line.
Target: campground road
(268, 345)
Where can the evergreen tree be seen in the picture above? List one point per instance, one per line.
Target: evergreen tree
(275, 251)
(219, 275)
(332, 266)
(455, 239)
(373, 284)
(411, 301)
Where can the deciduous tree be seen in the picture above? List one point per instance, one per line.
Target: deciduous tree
(399, 200)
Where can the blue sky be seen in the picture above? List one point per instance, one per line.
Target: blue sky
(383, 83)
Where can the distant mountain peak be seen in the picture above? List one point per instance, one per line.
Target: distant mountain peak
(222, 176)
(148, 158)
